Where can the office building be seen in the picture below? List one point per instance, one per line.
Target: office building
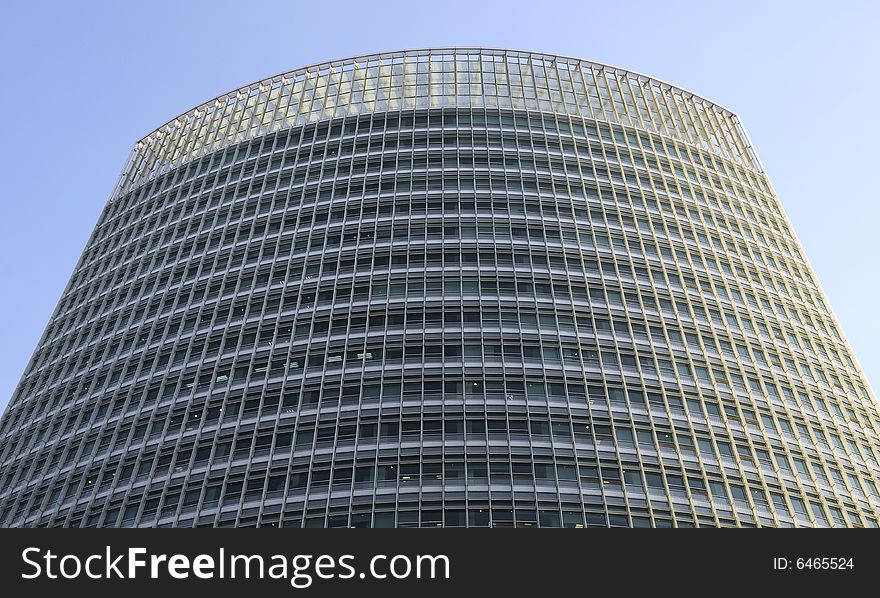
(457, 287)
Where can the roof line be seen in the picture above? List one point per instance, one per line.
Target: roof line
(440, 50)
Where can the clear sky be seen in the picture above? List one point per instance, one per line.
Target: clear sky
(83, 81)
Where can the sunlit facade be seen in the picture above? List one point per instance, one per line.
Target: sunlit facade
(452, 287)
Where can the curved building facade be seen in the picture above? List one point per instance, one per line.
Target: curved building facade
(457, 287)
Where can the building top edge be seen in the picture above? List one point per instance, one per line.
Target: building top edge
(454, 51)
(454, 77)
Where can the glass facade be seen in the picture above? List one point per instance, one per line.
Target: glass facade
(446, 287)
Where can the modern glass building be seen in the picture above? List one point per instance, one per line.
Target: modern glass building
(457, 287)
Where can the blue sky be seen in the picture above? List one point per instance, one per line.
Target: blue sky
(83, 81)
